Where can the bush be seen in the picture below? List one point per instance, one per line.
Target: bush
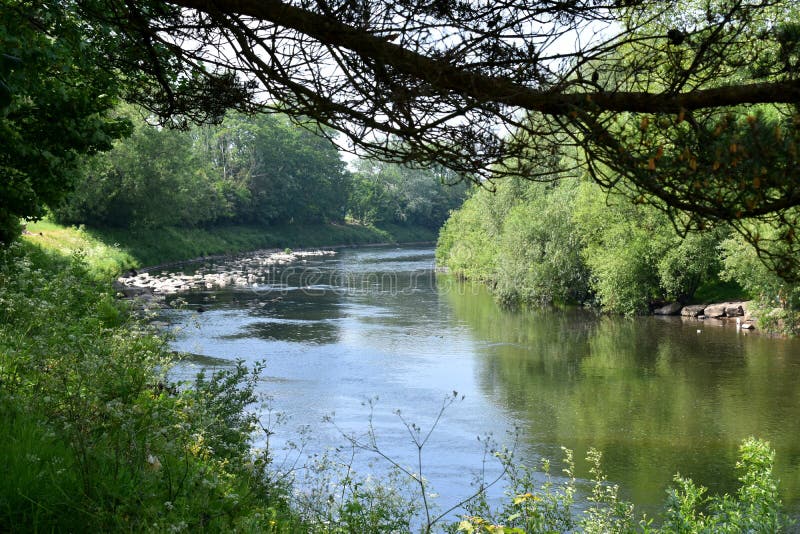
(539, 259)
(531, 508)
(569, 242)
(109, 444)
(776, 302)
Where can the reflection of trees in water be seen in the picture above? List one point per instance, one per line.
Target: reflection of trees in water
(654, 396)
(296, 316)
(315, 332)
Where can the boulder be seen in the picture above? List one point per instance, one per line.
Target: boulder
(715, 311)
(693, 310)
(134, 291)
(670, 309)
(734, 309)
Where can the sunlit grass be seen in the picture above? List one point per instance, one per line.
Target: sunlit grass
(109, 251)
(104, 259)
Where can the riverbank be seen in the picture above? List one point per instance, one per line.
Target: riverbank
(113, 251)
(738, 311)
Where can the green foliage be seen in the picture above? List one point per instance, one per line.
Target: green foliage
(469, 241)
(391, 193)
(606, 512)
(284, 172)
(109, 251)
(156, 246)
(539, 259)
(56, 106)
(529, 505)
(625, 244)
(568, 242)
(754, 508)
(256, 170)
(104, 260)
(777, 302)
(548, 507)
(130, 185)
(109, 444)
(38, 479)
(717, 290)
(686, 265)
(337, 500)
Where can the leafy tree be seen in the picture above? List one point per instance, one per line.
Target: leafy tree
(55, 104)
(388, 192)
(540, 259)
(776, 302)
(259, 169)
(688, 263)
(635, 256)
(286, 172)
(469, 242)
(130, 185)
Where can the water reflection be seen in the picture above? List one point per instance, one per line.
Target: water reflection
(293, 331)
(655, 395)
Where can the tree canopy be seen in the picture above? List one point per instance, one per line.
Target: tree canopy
(55, 104)
(690, 105)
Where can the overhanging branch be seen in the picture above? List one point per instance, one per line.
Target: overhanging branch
(446, 78)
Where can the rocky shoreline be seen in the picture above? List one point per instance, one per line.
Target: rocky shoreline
(737, 311)
(149, 289)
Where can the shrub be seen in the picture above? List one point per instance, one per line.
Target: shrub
(116, 447)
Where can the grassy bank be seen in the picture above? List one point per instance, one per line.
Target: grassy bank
(111, 250)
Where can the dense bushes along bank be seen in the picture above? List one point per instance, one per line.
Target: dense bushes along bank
(570, 242)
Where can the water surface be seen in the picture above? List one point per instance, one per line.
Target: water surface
(655, 395)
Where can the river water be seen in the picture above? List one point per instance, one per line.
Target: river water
(358, 336)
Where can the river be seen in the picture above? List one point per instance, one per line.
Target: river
(357, 336)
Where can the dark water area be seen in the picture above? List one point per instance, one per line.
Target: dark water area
(656, 396)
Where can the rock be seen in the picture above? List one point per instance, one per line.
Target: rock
(131, 292)
(715, 310)
(748, 326)
(734, 309)
(693, 310)
(670, 309)
(674, 308)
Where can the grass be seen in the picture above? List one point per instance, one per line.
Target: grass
(104, 259)
(88, 442)
(37, 478)
(109, 251)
